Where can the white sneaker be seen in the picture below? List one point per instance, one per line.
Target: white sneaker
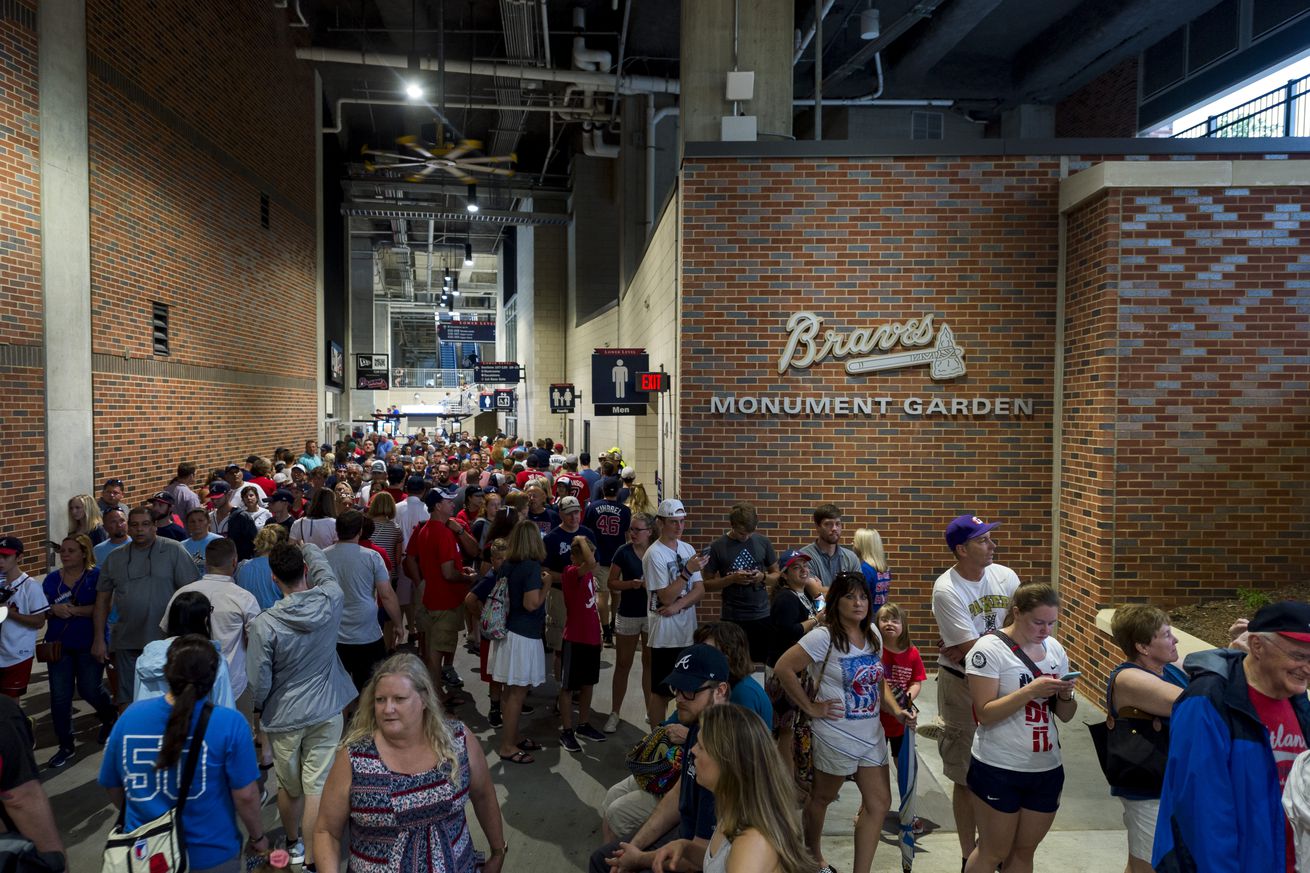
(297, 852)
(612, 723)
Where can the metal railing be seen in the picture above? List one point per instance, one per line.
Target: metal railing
(1279, 112)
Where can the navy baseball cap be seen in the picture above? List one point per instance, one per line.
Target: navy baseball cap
(1288, 618)
(11, 546)
(162, 497)
(216, 488)
(280, 494)
(965, 528)
(697, 665)
(791, 556)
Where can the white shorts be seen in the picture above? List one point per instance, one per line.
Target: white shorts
(517, 660)
(1139, 819)
(844, 759)
(627, 807)
(626, 626)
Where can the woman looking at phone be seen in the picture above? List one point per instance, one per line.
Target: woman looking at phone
(1018, 679)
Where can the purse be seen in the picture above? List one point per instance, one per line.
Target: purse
(656, 762)
(1133, 747)
(802, 744)
(50, 651)
(159, 844)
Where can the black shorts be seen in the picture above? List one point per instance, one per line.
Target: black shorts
(661, 665)
(581, 666)
(1012, 790)
(360, 659)
(759, 634)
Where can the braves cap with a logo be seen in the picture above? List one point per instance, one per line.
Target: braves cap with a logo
(569, 504)
(11, 546)
(791, 556)
(671, 508)
(1287, 618)
(965, 528)
(696, 666)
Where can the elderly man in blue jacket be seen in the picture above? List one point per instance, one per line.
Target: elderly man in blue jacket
(1234, 736)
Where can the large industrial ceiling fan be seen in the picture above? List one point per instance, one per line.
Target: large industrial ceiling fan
(458, 160)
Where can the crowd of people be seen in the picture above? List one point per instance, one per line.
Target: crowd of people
(301, 613)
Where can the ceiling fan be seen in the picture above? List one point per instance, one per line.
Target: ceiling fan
(421, 159)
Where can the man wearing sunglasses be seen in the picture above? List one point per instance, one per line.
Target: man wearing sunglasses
(111, 497)
(699, 680)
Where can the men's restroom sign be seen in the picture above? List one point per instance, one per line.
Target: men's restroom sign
(562, 397)
(614, 381)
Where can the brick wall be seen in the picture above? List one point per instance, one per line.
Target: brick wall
(860, 242)
(183, 141)
(22, 491)
(1106, 106)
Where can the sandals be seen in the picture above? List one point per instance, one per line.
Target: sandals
(519, 757)
(529, 745)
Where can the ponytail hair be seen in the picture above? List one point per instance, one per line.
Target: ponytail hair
(191, 669)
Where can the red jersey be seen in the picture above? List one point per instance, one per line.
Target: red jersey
(579, 485)
(1287, 741)
(581, 621)
(902, 670)
(437, 545)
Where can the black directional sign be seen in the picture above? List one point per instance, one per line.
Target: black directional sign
(505, 400)
(614, 381)
(562, 397)
(498, 372)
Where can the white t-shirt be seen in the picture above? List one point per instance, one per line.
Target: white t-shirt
(965, 610)
(234, 608)
(322, 532)
(17, 640)
(661, 566)
(854, 677)
(1028, 740)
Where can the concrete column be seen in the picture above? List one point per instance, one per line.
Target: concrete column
(65, 256)
(764, 46)
(320, 333)
(360, 316)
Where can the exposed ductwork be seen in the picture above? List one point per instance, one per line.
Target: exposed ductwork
(583, 57)
(629, 84)
(594, 145)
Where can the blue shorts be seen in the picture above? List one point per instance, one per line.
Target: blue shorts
(1012, 790)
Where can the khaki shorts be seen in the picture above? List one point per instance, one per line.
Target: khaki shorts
(955, 707)
(555, 619)
(441, 627)
(302, 758)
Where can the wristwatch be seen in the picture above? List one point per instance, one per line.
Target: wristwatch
(502, 851)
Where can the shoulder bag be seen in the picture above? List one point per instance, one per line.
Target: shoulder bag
(51, 651)
(1132, 746)
(159, 844)
(1018, 652)
(656, 762)
(803, 730)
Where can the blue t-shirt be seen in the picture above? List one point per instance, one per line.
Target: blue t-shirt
(750, 694)
(102, 550)
(878, 582)
(546, 520)
(610, 520)
(524, 576)
(557, 544)
(196, 548)
(695, 804)
(256, 577)
(632, 602)
(209, 820)
(74, 633)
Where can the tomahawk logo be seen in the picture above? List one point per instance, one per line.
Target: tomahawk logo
(684, 663)
(805, 347)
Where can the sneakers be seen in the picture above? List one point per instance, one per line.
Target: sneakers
(472, 647)
(297, 852)
(569, 741)
(588, 732)
(60, 758)
(527, 710)
(934, 731)
(494, 718)
(607, 636)
(612, 723)
(450, 678)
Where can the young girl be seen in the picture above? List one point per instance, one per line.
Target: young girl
(582, 646)
(905, 674)
(473, 603)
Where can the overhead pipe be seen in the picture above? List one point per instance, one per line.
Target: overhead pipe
(618, 68)
(818, 72)
(383, 101)
(653, 119)
(594, 145)
(583, 57)
(804, 41)
(545, 34)
(628, 84)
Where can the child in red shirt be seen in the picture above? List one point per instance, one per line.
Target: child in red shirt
(904, 670)
(582, 646)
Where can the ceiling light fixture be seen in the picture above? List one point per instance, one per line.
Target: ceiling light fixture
(414, 91)
(870, 23)
(468, 254)
(473, 199)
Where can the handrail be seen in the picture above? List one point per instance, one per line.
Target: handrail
(1275, 113)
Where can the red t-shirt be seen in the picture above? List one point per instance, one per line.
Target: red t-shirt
(581, 620)
(902, 669)
(1287, 741)
(436, 546)
(523, 476)
(578, 484)
(267, 485)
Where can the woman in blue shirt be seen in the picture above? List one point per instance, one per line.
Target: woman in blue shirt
(730, 639)
(254, 574)
(71, 591)
(147, 749)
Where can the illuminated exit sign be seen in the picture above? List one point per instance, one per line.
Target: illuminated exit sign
(654, 382)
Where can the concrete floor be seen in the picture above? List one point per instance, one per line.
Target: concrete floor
(550, 807)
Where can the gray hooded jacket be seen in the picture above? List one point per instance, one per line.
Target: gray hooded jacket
(295, 676)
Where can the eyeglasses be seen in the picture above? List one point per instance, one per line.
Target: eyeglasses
(1302, 658)
(691, 695)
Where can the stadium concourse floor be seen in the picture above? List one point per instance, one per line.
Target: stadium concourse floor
(550, 807)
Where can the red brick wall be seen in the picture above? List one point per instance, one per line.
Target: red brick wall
(860, 242)
(1106, 106)
(22, 416)
(194, 112)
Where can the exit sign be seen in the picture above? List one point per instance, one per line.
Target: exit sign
(655, 382)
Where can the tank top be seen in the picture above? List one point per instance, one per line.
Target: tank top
(717, 863)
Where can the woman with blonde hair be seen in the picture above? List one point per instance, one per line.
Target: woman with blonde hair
(758, 827)
(84, 518)
(401, 777)
(386, 533)
(254, 574)
(639, 500)
(518, 661)
(873, 564)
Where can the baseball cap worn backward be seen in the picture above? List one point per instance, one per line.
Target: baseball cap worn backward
(1287, 618)
(697, 665)
(967, 527)
(671, 508)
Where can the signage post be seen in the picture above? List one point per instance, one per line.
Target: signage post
(614, 388)
(498, 373)
(372, 372)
